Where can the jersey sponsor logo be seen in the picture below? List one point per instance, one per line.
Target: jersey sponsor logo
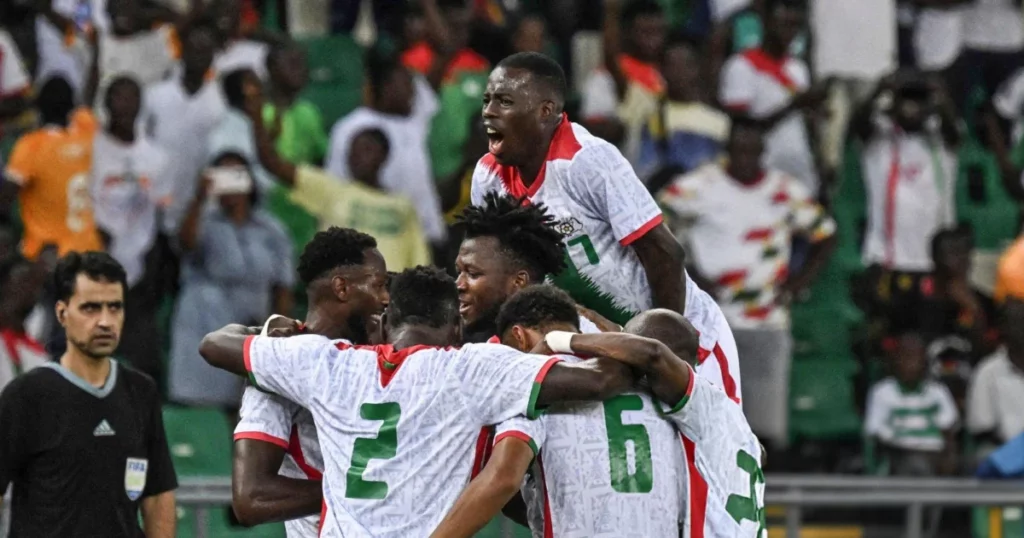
(135, 477)
(103, 429)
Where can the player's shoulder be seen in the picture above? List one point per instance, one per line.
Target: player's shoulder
(359, 118)
(885, 388)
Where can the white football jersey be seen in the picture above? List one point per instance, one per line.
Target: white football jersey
(725, 483)
(601, 207)
(611, 469)
(273, 419)
(400, 431)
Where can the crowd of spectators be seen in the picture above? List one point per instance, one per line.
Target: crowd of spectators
(871, 147)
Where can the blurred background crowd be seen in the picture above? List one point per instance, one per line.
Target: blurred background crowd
(121, 120)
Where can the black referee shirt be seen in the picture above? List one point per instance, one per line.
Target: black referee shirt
(81, 458)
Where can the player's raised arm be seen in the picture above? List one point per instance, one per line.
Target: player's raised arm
(590, 380)
(225, 348)
(669, 367)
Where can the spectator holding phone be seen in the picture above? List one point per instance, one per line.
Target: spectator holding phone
(909, 164)
(237, 267)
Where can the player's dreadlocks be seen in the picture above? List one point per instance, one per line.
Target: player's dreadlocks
(526, 233)
(332, 248)
(536, 307)
(424, 296)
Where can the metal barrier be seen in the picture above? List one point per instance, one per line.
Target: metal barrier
(795, 492)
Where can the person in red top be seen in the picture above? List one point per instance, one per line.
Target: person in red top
(22, 282)
(446, 52)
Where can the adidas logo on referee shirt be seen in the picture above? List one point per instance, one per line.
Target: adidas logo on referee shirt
(103, 429)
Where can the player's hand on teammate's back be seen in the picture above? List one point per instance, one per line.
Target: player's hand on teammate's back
(279, 326)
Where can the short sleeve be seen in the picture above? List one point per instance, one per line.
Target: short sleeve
(808, 217)
(14, 78)
(15, 430)
(478, 188)
(314, 188)
(599, 99)
(738, 85)
(425, 102)
(524, 429)
(265, 417)
(981, 409)
(160, 476)
(875, 413)
(706, 416)
(21, 163)
(611, 189)
(948, 414)
(291, 367)
(499, 383)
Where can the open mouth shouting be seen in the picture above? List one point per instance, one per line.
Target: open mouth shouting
(495, 139)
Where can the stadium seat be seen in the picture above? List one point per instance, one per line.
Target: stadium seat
(200, 441)
(982, 201)
(335, 75)
(821, 400)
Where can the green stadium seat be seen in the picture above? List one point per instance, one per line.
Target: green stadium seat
(335, 75)
(200, 441)
(821, 400)
(990, 210)
(218, 525)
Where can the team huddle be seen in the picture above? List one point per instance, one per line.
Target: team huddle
(571, 377)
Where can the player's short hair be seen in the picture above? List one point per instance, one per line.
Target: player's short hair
(639, 8)
(543, 69)
(56, 100)
(233, 86)
(538, 306)
(117, 84)
(423, 295)
(333, 248)
(526, 233)
(378, 136)
(669, 328)
(98, 266)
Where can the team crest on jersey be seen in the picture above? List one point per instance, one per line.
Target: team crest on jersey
(569, 226)
(135, 477)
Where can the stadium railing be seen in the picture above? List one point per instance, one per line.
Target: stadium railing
(795, 492)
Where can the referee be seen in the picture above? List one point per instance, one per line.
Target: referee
(83, 440)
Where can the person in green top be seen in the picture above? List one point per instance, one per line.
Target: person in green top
(360, 204)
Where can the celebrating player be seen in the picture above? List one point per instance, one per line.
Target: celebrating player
(507, 247)
(278, 466)
(622, 260)
(603, 469)
(721, 450)
(398, 423)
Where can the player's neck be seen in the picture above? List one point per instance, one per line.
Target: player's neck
(409, 336)
(530, 172)
(92, 371)
(322, 324)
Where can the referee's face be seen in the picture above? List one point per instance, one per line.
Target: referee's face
(93, 317)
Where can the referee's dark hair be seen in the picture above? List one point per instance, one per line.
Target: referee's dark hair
(98, 266)
(526, 233)
(423, 296)
(536, 307)
(333, 248)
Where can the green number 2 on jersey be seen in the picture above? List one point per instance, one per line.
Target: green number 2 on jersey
(641, 479)
(752, 507)
(382, 447)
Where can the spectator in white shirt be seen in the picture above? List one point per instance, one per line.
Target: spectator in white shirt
(402, 106)
(909, 164)
(911, 419)
(739, 222)
(130, 189)
(994, 40)
(14, 79)
(181, 112)
(768, 84)
(995, 397)
(236, 50)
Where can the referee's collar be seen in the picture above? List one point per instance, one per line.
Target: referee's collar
(99, 392)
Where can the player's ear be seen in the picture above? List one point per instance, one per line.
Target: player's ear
(520, 281)
(547, 110)
(339, 287)
(60, 309)
(521, 338)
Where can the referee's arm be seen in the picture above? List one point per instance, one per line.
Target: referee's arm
(158, 505)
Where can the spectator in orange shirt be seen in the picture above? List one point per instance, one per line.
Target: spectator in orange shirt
(49, 174)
